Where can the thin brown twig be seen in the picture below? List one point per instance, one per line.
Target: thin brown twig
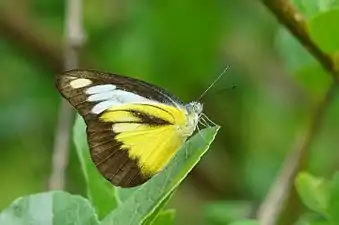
(271, 208)
(294, 21)
(74, 40)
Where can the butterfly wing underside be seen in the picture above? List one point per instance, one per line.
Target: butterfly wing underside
(131, 125)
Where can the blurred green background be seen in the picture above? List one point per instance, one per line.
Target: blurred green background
(181, 46)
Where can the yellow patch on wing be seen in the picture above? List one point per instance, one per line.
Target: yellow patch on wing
(80, 83)
(151, 145)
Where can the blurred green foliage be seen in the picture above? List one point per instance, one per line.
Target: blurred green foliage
(321, 197)
(182, 46)
(142, 205)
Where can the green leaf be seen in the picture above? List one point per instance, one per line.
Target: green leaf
(154, 215)
(149, 196)
(165, 218)
(324, 30)
(224, 212)
(123, 194)
(100, 191)
(333, 207)
(246, 222)
(51, 208)
(314, 192)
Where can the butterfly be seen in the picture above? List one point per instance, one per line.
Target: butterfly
(133, 128)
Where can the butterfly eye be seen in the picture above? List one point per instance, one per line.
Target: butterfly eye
(197, 107)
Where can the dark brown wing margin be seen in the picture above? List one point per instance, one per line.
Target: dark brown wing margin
(111, 159)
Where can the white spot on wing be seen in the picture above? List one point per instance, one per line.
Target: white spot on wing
(102, 106)
(128, 97)
(79, 83)
(100, 89)
(113, 98)
(101, 96)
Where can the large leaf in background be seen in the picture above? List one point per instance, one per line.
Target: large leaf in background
(145, 200)
(51, 208)
(324, 30)
(314, 192)
(100, 191)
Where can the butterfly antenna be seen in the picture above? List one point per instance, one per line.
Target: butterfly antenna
(213, 83)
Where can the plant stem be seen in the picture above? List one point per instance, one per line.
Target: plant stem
(74, 40)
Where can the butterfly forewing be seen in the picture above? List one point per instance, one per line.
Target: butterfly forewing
(128, 84)
(130, 123)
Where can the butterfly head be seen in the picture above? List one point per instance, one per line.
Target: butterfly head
(194, 110)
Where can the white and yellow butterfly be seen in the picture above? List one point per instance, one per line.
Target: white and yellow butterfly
(133, 128)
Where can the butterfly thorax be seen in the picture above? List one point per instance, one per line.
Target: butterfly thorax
(193, 111)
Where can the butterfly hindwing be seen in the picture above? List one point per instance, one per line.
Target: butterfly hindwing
(109, 158)
(131, 125)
